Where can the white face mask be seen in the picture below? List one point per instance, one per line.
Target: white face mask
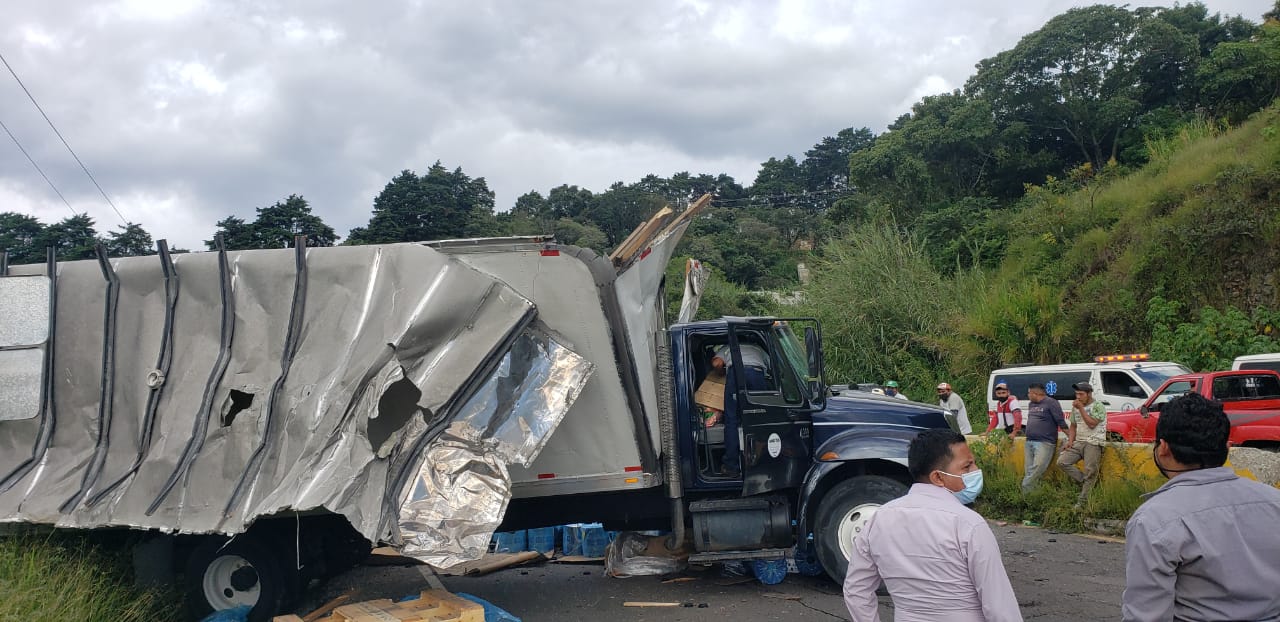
(972, 486)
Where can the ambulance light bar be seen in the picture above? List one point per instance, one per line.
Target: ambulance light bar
(1120, 358)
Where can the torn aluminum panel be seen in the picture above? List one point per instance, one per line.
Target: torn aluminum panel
(464, 472)
(294, 382)
(24, 305)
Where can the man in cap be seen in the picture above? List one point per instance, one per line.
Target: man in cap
(1007, 415)
(1202, 546)
(952, 402)
(1085, 439)
(891, 389)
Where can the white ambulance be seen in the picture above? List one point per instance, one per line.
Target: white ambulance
(1121, 381)
(1258, 361)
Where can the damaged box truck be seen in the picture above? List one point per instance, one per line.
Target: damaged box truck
(266, 416)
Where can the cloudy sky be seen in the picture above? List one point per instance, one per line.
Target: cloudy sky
(187, 111)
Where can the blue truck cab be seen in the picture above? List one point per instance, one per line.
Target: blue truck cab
(826, 462)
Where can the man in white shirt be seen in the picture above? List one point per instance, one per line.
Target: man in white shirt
(952, 402)
(938, 559)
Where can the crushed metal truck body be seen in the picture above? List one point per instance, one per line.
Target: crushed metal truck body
(196, 393)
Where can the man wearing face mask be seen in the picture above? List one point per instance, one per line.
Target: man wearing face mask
(938, 559)
(1203, 546)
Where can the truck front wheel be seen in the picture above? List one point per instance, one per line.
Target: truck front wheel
(844, 513)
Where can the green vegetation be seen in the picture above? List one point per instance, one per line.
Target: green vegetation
(1053, 503)
(53, 579)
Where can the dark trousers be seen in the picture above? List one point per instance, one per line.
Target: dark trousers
(756, 381)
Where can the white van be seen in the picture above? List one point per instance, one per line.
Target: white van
(1121, 382)
(1258, 361)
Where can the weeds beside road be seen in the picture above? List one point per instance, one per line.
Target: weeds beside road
(1053, 503)
(57, 578)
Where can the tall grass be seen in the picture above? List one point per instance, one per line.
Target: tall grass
(884, 309)
(50, 579)
(1053, 502)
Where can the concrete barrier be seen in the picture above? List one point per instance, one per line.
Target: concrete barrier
(1119, 459)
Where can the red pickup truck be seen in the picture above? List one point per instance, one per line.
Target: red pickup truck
(1251, 399)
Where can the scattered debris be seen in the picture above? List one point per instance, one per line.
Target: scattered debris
(781, 596)
(430, 605)
(492, 562)
(735, 581)
(681, 580)
(633, 603)
(1053, 539)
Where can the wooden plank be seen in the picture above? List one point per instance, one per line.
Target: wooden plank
(288, 618)
(648, 604)
(641, 237)
(458, 608)
(326, 608)
(693, 210)
(635, 233)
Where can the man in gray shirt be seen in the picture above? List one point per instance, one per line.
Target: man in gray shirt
(1044, 419)
(1204, 545)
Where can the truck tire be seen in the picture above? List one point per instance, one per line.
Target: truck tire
(843, 513)
(223, 574)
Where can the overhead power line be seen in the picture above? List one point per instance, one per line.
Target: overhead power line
(38, 169)
(64, 141)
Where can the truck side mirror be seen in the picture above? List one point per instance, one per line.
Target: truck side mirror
(1145, 410)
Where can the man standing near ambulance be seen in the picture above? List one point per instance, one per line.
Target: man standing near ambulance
(1008, 415)
(1044, 419)
(1085, 440)
(952, 402)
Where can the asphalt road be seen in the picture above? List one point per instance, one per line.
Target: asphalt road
(1056, 577)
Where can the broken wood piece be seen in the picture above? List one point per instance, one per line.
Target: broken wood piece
(499, 564)
(737, 581)
(693, 210)
(681, 580)
(631, 603)
(578, 559)
(288, 618)
(641, 237)
(781, 596)
(324, 609)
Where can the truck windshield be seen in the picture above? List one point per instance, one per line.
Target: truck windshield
(1155, 376)
(793, 349)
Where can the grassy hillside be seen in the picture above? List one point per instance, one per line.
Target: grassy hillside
(1172, 257)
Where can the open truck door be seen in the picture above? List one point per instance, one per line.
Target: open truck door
(774, 411)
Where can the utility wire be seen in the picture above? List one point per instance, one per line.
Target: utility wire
(64, 141)
(38, 169)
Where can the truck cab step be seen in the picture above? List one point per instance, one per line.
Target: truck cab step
(730, 556)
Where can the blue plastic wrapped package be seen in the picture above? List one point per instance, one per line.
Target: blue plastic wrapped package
(542, 539)
(492, 612)
(571, 539)
(509, 542)
(235, 614)
(595, 539)
(769, 571)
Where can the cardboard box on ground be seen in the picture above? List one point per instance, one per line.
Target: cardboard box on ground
(711, 392)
